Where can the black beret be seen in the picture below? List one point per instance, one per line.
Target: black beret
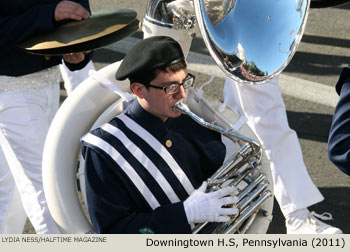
(147, 55)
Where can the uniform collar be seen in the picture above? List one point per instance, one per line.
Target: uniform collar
(150, 122)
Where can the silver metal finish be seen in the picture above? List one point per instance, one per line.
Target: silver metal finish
(183, 108)
(252, 40)
(158, 13)
(239, 171)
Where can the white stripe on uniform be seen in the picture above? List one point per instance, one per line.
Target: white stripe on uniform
(144, 160)
(125, 166)
(160, 149)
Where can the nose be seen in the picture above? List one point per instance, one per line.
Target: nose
(181, 94)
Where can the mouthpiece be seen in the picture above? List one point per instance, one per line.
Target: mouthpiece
(181, 107)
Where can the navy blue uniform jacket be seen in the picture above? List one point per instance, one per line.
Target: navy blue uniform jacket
(21, 19)
(339, 136)
(114, 203)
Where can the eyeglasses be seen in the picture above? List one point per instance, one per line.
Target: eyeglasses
(173, 88)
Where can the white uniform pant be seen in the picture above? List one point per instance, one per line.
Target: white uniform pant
(265, 110)
(25, 117)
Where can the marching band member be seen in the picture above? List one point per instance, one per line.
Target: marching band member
(265, 111)
(29, 96)
(338, 147)
(143, 167)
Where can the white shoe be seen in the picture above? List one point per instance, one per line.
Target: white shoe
(312, 225)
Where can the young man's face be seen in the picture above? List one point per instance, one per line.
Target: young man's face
(156, 101)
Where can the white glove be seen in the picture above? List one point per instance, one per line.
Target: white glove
(201, 207)
(181, 8)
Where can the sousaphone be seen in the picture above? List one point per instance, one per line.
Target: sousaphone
(250, 40)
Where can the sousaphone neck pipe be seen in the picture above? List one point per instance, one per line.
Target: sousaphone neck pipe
(183, 108)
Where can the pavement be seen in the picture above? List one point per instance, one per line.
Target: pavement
(307, 86)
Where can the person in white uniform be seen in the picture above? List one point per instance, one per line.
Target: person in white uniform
(29, 97)
(264, 108)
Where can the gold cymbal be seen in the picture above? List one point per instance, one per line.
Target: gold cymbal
(104, 27)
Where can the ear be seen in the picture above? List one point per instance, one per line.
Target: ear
(138, 89)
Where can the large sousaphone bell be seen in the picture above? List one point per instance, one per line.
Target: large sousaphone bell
(251, 40)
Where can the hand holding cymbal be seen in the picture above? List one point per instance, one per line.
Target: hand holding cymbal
(74, 58)
(70, 10)
(102, 28)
